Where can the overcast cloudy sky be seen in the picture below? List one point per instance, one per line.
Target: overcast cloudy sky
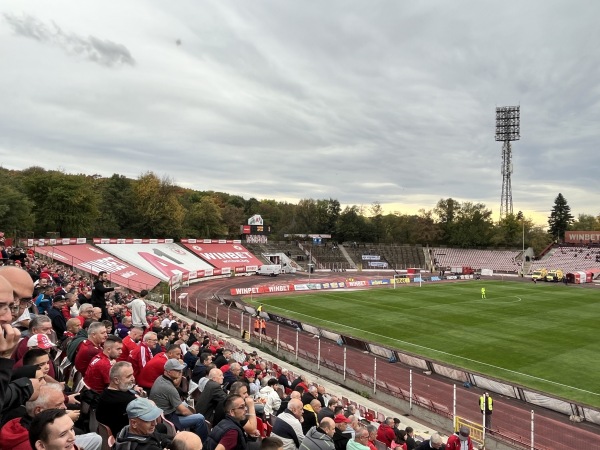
(362, 101)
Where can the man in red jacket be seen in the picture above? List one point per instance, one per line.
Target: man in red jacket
(456, 441)
(91, 346)
(130, 343)
(140, 356)
(97, 374)
(156, 366)
(386, 433)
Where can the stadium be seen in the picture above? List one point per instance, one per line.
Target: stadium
(405, 337)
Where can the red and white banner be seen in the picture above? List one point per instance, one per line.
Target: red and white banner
(210, 241)
(223, 254)
(61, 241)
(582, 237)
(264, 289)
(131, 241)
(163, 260)
(93, 260)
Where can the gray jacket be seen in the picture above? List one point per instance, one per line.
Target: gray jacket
(316, 439)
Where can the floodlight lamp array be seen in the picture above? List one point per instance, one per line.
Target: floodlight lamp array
(508, 123)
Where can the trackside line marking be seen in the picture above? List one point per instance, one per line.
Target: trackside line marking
(438, 351)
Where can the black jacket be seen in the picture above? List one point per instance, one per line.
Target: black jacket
(128, 441)
(98, 294)
(14, 393)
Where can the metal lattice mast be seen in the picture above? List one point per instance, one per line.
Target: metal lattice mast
(508, 128)
(506, 205)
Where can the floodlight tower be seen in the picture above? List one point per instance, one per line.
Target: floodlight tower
(508, 128)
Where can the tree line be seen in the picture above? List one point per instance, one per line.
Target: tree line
(47, 203)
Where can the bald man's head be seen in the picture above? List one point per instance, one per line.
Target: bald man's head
(186, 440)
(7, 302)
(22, 284)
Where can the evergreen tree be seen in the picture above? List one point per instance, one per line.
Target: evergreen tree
(560, 218)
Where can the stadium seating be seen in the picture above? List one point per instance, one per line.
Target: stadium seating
(568, 259)
(507, 261)
(398, 256)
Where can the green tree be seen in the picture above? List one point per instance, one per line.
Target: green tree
(67, 204)
(156, 207)
(233, 216)
(428, 232)
(472, 226)
(204, 220)
(116, 206)
(586, 222)
(560, 218)
(15, 211)
(538, 239)
(376, 222)
(446, 211)
(350, 225)
(508, 232)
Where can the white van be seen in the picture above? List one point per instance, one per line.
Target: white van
(269, 269)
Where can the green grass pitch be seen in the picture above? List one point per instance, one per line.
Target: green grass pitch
(545, 335)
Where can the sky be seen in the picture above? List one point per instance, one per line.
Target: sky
(360, 101)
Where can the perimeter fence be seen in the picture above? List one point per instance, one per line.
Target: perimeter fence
(444, 396)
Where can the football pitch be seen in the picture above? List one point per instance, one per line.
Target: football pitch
(545, 335)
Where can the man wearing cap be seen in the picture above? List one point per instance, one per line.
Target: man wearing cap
(156, 366)
(41, 343)
(251, 382)
(59, 323)
(460, 440)
(97, 375)
(287, 426)
(164, 393)
(38, 325)
(141, 432)
(340, 437)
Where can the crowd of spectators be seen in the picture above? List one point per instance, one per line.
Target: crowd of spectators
(78, 353)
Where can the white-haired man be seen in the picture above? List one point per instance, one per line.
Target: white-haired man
(140, 356)
(91, 346)
(16, 431)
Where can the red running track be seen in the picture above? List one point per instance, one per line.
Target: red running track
(511, 418)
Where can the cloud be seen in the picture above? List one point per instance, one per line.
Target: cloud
(103, 52)
(359, 101)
